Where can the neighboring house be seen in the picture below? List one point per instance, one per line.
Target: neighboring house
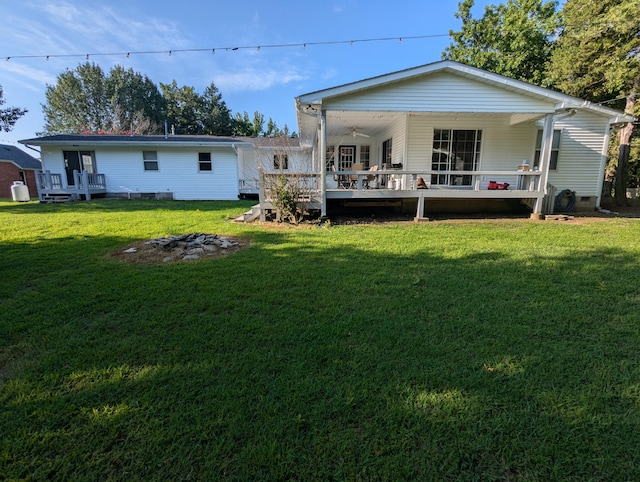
(464, 131)
(138, 166)
(17, 165)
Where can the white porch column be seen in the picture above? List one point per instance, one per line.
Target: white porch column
(545, 160)
(322, 141)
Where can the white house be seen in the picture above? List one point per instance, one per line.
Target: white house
(439, 136)
(170, 167)
(466, 132)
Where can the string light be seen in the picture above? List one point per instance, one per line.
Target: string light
(213, 50)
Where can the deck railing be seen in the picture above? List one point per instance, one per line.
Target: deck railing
(49, 181)
(399, 180)
(85, 184)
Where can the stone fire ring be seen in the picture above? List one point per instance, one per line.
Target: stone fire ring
(184, 247)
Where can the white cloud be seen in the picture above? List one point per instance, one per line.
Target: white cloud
(38, 76)
(256, 80)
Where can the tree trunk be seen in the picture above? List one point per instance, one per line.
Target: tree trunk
(626, 134)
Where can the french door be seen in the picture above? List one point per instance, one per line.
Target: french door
(455, 150)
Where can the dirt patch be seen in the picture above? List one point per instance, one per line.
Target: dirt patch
(161, 250)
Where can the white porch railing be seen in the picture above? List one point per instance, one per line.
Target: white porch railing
(85, 183)
(399, 180)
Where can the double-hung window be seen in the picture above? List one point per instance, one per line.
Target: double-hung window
(455, 150)
(364, 156)
(387, 152)
(280, 162)
(555, 150)
(150, 160)
(204, 162)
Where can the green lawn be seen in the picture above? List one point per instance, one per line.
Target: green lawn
(504, 350)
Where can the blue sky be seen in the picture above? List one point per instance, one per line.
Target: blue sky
(265, 79)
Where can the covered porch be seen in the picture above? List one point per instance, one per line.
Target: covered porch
(461, 132)
(454, 155)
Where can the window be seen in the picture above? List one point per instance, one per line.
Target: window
(455, 150)
(329, 156)
(387, 152)
(280, 162)
(555, 150)
(204, 162)
(364, 156)
(150, 160)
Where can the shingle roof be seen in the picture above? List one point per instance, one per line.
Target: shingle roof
(18, 157)
(86, 139)
(158, 140)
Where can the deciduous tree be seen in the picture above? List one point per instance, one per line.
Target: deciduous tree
(598, 58)
(87, 100)
(9, 115)
(513, 39)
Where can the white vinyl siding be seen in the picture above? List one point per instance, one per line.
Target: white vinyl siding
(505, 146)
(440, 92)
(178, 172)
(580, 157)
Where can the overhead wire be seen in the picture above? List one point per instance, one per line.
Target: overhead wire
(213, 50)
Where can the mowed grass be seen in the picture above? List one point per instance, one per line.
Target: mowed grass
(504, 350)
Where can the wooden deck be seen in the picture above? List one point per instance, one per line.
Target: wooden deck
(51, 187)
(396, 185)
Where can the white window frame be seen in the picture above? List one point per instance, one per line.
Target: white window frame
(365, 156)
(555, 149)
(149, 159)
(443, 147)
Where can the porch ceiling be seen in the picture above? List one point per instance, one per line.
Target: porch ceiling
(374, 123)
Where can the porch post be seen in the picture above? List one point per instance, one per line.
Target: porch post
(322, 141)
(545, 160)
(85, 185)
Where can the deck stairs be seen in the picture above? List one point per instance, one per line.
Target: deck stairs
(59, 198)
(249, 216)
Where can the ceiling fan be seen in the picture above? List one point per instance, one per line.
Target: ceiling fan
(354, 133)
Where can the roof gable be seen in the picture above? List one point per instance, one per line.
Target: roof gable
(440, 91)
(476, 80)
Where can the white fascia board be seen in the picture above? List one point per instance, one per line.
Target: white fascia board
(79, 143)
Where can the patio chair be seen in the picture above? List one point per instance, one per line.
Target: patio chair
(371, 181)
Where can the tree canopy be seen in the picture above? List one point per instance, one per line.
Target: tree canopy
(515, 39)
(9, 115)
(86, 99)
(598, 58)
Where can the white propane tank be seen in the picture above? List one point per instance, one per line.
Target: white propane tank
(20, 192)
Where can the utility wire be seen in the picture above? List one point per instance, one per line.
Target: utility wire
(222, 49)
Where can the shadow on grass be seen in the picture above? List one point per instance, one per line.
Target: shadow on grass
(121, 205)
(293, 360)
